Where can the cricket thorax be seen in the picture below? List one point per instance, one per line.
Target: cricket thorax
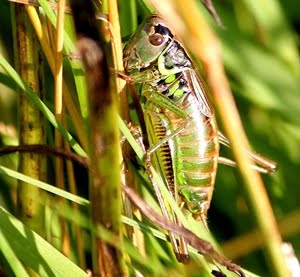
(175, 57)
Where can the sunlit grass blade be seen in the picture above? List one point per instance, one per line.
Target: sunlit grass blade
(34, 251)
(42, 185)
(11, 257)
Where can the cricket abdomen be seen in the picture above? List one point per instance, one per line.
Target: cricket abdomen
(195, 151)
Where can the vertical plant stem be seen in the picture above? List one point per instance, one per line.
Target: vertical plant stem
(128, 178)
(58, 78)
(113, 16)
(30, 198)
(104, 149)
(200, 38)
(58, 107)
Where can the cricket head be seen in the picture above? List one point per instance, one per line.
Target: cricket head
(146, 44)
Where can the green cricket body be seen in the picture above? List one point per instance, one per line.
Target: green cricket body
(173, 97)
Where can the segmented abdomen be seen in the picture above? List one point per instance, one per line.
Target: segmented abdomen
(195, 154)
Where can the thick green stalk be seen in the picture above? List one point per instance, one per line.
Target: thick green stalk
(104, 148)
(30, 198)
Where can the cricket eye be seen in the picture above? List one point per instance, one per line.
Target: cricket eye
(156, 39)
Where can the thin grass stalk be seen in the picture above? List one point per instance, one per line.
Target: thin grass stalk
(201, 39)
(117, 52)
(58, 90)
(58, 111)
(116, 46)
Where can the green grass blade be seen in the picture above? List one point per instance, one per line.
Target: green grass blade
(34, 251)
(59, 192)
(11, 258)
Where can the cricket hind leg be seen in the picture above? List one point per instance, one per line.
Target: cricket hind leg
(178, 243)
